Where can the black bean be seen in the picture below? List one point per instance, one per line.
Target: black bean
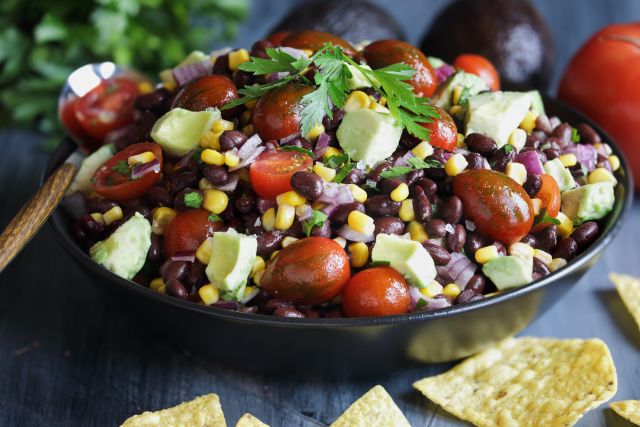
(533, 141)
(176, 270)
(181, 179)
(100, 205)
(323, 230)
(451, 212)
(540, 267)
(500, 158)
(439, 254)
(234, 223)
(436, 228)
(502, 250)
(474, 160)
(387, 185)
(307, 184)
(381, 205)
(551, 153)
(422, 206)
(179, 202)
(456, 240)
(276, 303)
(563, 133)
(154, 254)
(340, 215)
(587, 134)
(216, 175)
(269, 242)
(242, 78)
(415, 176)
(532, 185)
(547, 237)
(473, 242)
(197, 275)
(388, 225)
(288, 312)
(356, 176)
(92, 228)
(221, 66)
(333, 122)
(159, 196)
(231, 139)
(480, 143)
(374, 175)
(530, 240)
(176, 289)
(245, 202)
(476, 283)
(408, 141)
(567, 248)
(465, 296)
(157, 100)
(585, 234)
(428, 185)
(445, 187)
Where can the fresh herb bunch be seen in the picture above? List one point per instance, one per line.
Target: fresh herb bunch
(330, 79)
(42, 42)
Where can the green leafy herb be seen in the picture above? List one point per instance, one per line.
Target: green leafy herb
(337, 160)
(344, 171)
(317, 219)
(213, 217)
(396, 171)
(370, 186)
(122, 167)
(278, 62)
(418, 163)
(464, 97)
(197, 154)
(298, 149)
(508, 148)
(421, 303)
(193, 200)
(415, 163)
(575, 137)
(544, 218)
(379, 264)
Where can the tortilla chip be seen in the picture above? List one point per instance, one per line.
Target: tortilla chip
(248, 420)
(200, 412)
(374, 408)
(629, 289)
(628, 409)
(526, 382)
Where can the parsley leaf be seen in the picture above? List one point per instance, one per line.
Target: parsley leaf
(415, 163)
(335, 161)
(298, 149)
(379, 264)
(197, 154)
(508, 148)
(575, 137)
(317, 219)
(344, 171)
(464, 97)
(213, 217)
(421, 303)
(544, 218)
(278, 62)
(122, 167)
(396, 171)
(193, 200)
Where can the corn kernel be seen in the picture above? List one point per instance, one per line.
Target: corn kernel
(209, 294)
(231, 158)
(568, 160)
(245, 117)
(258, 265)
(221, 125)
(112, 215)
(269, 219)
(528, 124)
(361, 222)
(383, 101)
(460, 141)
(204, 251)
(315, 132)
(432, 289)
(614, 161)
(97, 216)
(331, 151)
(288, 240)
(290, 198)
(273, 255)
(170, 86)
(486, 254)
(160, 218)
(359, 254)
(451, 290)
(456, 164)
(204, 184)
(456, 109)
(422, 150)
(156, 284)
(238, 57)
(565, 228)
(537, 205)
(145, 157)
(250, 105)
(215, 201)
(521, 249)
(308, 52)
(557, 263)
(417, 232)
(340, 241)
(285, 216)
(543, 256)
(324, 172)
(357, 100)
(247, 130)
(145, 87)
(212, 157)
(406, 212)
(601, 175)
(517, 172)
(518, 138)
(210, 139)
(258, 277)
(456, 94)
(400, 193)
(359, 195)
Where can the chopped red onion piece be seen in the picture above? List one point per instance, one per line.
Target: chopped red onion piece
(334, 193)
(586, 154)
(460, 269)
(531, 162)
(188, 256)
(354, 236)
(287, 139)
(322, 143)
(264, 205)
(296, 53)
(431, 303)
(404, 159)
(249, 146)
(443, 72)
(186, 73)
(305, 212)
(232, 183)
(74, 205)
(244, 162)
(185, 160)
(329, 209)
(141, 169)
(469, 225)
(554, 122)
(164, 266)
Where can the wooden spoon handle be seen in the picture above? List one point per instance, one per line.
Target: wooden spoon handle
(32, 215)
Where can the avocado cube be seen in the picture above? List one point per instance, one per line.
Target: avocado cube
(509, 271)
(444, 93)
(179, 131)
(563, 177)
(589, 202)
(409, 257)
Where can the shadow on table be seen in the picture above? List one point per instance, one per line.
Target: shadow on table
(620, 315)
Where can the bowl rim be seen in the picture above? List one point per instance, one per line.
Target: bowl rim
(613, 226)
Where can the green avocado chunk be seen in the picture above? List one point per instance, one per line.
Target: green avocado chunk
(509, 271)
(563, 177)
(125, 251)
(179, 131)
(589, 202)
(369, 136)
(231, 262)
(444, 93)
(537, 106)
(82, 181)
(409, 257)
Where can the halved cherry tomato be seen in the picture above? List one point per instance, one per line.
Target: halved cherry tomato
(309, 271)
(549, 194)
(207, 92)
(378, 291)
(499, 207)
(276, 114)
(444, 133)
(188, 230)
(107, 107)
(113, 179)
(314, 40)
(481, 67)
(271, 173)
(72, 125)
(386, 52)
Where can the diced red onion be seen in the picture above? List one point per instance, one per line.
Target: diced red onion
(164, 266)
(226, 305)
(554, 122)
(446, 155)
(586, 154)
(141, 169)
(432, 303)
(543, 123)
(305, 212)
(334, 193)
(186, 73)
(469, 225)
(287, 139)
(329, 209)
(404, 159)
(271, 145)
(188, 256)
(354, 236)
(322, 143)
(531, 162)
(460, 269)
(264, 205)
(274, 77)
(443, 72)
(296, 53)
(184, 161)
(249, 146)
(251, 295)
(248, 160)
(231, 184)
(74, 205)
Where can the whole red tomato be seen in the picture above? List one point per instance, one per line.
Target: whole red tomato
(314, 40)
(276, 114)
(444, 133)
(603, 81)
(309, 271)
(386, 52)
(206, 92)
(481, 67)
(271, 173)
(378, 291)
(188, 230)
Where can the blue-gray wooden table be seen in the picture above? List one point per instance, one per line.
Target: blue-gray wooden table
(70, 357)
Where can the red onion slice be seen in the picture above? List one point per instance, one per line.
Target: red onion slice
(251, 295)
(232, 183)
(293, 52)
(305, 212)
(431, 303)
(186, 73)
(264, 205)
(249, 159)
(335, 194)
(531, 162)
(586, 154)
(249, 146)
(188, 256)
(443, 72)
(460, 269)
(141, 169)
(355, 236)
(404, 159)
(322, 143)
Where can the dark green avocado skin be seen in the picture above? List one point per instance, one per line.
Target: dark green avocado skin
(354, 20)
(510, 33)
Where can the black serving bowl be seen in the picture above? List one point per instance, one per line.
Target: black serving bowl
(347, 346)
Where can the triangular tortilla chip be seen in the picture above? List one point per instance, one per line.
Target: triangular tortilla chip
(203, 411)
(248, 420)
(628, 409)
(374, 408)
(629, 289)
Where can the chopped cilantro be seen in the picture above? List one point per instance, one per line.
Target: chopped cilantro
(298, 149)
(418, 163)
(508, 148)
(421, 303)
(335, 161)
(317, 219)
(464, 97)
(574, 135)
(544, 218)
(197, 154)
(379, 264)
(193, 200)
(122, 167)
(214, 217)
(396, 171)
(343, 172)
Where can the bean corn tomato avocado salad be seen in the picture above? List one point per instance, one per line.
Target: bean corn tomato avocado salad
(311, 178)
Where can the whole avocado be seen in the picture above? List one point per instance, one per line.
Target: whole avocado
(510, 33)
(354, 20)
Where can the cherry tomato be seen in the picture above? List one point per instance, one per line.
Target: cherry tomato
(309, 271)
(271, 173)
(444, 133)
(498, 206)
(481, 67)
(205, 92)
(602, 81)
(72, 125)
(386, 52)
(106, 107)
(276, 114)
(549, 194)
(314, 40)
(277, 37)
(113, 179)
(378, 291)
(188, 230)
